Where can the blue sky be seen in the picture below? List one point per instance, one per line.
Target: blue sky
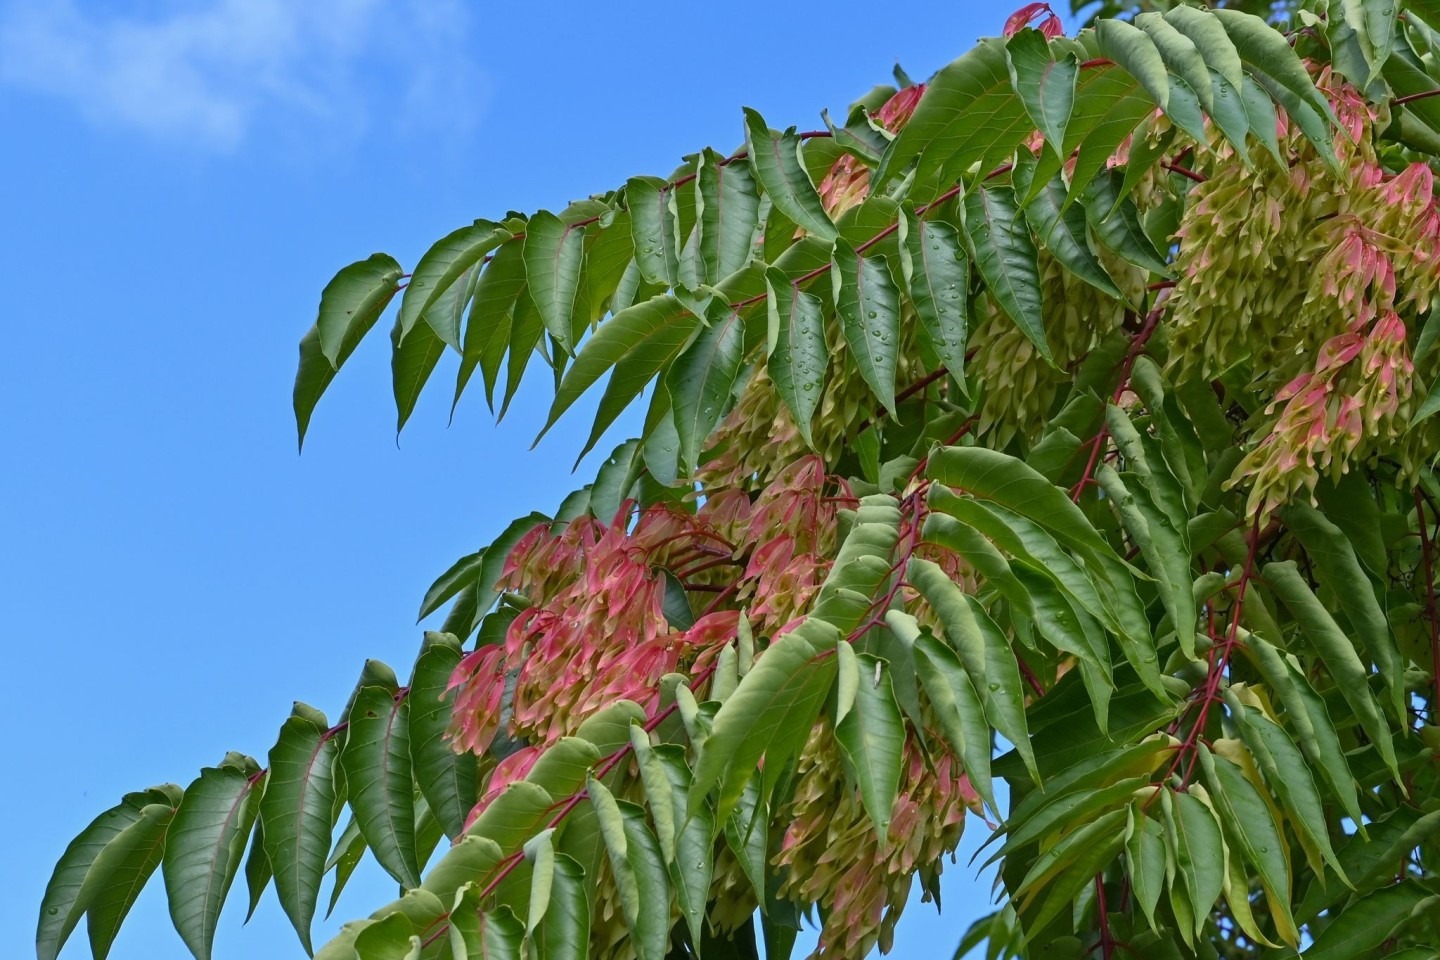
(181, 180)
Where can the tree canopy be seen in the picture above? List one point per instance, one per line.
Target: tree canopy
(1067, 419)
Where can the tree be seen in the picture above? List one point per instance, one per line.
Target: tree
(1076, 406)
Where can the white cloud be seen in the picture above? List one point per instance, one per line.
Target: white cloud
(206, 73)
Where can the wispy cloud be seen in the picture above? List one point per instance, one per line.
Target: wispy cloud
(206, 74)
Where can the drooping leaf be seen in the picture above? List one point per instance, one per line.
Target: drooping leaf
(937, 277)
(297, 815)
(636, 344)
(797, 351)
(654, 229)
(565, 933)
(1062, 230)
(701, 379)
(554, 254)
(1007, 259)
(774, 702)
(203, 849)
(447, 780)
(868, 304)
(360, 308)
(1336, 650)
(120, 871)
(775, 160)
(1046, 86)
(872, 741)
(352, 302)
(442, 266)
(411, 364)
(376, 761)
(728, 204)
(988, 660)
(489, 330)
(958, 711)
(461, 574)
(1247, 817)
(258, 873)
(62, 907)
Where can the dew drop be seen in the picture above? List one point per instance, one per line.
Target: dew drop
(53, 911)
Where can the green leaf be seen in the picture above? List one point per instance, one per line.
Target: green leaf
(693, 866)
(315, 371)
(203, 849)
(554, 254)
(1117, 224)
(565, 933)
(540, 852)
(1046, 86)
(1266, 52)
(1336, 650)
(61, 907)
(1007, 259)
(1133, 50)
(872, 743)
(868, 304)
(1013, 484)
(639, 871)
(1247, 817)
(1109, 105)
(119, 873)
(297, 815)
(258, 873)
(969, 119)
(1362, 927)
(1370, 863)
(957, 709)
(443, 266)
(351, 303)
(1145, 854)
(745, 835)
(797, 352)
(1061, 229)
(446, 779)
(1200, 853)
(1165, 549)
(1289, 776)
(654, 229)
(1313, 729)
(1210, 39)
(460, 575)
(389, 938)
(1338, 569)
(775, 160)
(728, 211)
(499, 299)
(937, 277)
(636, 343)
(861, 137)
(1180, 55)
(349, 847)
(988, 659)
(701, 379)
(769, 714)
(411, 364)
(376, 761)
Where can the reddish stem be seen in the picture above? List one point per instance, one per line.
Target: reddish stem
(1211, 690)
(1185, 172)
(1427, 565)
(1410, 98)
